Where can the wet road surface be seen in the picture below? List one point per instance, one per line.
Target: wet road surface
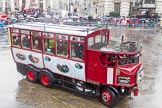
(17, 92)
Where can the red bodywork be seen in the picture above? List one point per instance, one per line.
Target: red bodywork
(95, 72)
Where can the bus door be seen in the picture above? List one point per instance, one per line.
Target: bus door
(94, 70)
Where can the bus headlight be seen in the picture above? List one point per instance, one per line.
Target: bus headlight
(123, 80)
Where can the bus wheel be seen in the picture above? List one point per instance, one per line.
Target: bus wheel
(108, 97)
(32, 75)
(46, 79)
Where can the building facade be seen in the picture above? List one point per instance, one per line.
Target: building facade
(96, 8)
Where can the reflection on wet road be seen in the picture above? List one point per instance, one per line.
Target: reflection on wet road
(17, 92)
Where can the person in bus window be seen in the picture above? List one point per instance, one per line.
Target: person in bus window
(36, 44)
(80, 51)
(16, 40)
(59, 47)
(46, 46)
(73, 50)
(26, 42)
(77, 50)
(49, 46)
(65, 48)
(107, 60)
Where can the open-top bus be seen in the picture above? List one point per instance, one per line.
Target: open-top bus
(79, 58)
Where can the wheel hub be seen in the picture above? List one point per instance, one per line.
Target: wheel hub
(30, 75)
(106, 96)
(45, 79)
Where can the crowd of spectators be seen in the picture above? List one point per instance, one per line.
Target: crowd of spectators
(38, 15)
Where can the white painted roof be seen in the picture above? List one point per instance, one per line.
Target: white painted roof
(55, 28)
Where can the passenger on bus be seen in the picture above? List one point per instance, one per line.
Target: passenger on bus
(65, 48)
(73, 52)
(16, 40)
(36, 44)
(77, 50)
(26, 42)
(107, 60)
(49, 46)
(80, 51)
(59, 47)
(46, 46)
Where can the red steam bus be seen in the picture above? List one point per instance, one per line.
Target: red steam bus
(79, 58)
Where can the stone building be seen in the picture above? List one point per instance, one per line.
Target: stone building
(96, 8)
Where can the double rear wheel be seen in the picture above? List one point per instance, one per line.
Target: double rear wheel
(45, 78)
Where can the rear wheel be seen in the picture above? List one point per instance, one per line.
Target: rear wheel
(46, 79)
(108, 97)
(31, 75)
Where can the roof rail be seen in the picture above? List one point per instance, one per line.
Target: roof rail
(57, 26)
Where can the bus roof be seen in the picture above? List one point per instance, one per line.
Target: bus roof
(56, 28)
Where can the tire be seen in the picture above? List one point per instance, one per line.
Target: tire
(46, 79)
(108, 97)
(31, 75)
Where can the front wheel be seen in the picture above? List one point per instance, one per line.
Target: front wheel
(108, 97)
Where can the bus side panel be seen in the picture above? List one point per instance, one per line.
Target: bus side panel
(95, 70)
(65, 67)
(27, 57)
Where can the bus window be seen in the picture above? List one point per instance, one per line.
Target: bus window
(15, 30)
(127, 60)
(15, 39)
(62, 45)
(35, 33)
(25, 41)
(25, 32)
(74, 38)
(98, 40)
(49, 45)
(81, 39)
(104, 39)
(62, 48)
(36, 43)
(48, 35)
(107, 59)
(90, 42)
(77, 51)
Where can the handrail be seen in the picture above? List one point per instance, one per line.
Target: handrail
(64, 27)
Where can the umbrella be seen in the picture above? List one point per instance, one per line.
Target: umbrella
(3, 16)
